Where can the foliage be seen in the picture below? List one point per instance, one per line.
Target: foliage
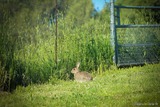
(137, 86)
(27, 39)
(3, 78)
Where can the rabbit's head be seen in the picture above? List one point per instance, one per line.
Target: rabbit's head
(75, 70)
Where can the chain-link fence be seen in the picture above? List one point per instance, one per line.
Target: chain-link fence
(136, 39)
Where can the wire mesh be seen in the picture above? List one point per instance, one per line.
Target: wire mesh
(136, 38)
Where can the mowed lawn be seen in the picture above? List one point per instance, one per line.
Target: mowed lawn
(127, 87)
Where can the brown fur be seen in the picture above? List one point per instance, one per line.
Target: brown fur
(81, 76)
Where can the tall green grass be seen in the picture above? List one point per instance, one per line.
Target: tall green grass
(83, 44)
(28, 48)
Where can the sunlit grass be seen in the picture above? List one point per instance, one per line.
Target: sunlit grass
(121, 87)
(27, 44)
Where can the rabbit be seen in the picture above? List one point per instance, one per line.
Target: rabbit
(81, 76)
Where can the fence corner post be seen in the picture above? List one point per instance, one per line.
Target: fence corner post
(113, 30)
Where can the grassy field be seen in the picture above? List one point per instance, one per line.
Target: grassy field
(136, 86)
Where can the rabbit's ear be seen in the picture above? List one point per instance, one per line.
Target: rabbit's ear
(78, 64)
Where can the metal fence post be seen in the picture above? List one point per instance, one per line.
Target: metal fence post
(118, 16)
(113, 32)
(56, 33)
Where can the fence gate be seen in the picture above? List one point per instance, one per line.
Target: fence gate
(134, 44)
